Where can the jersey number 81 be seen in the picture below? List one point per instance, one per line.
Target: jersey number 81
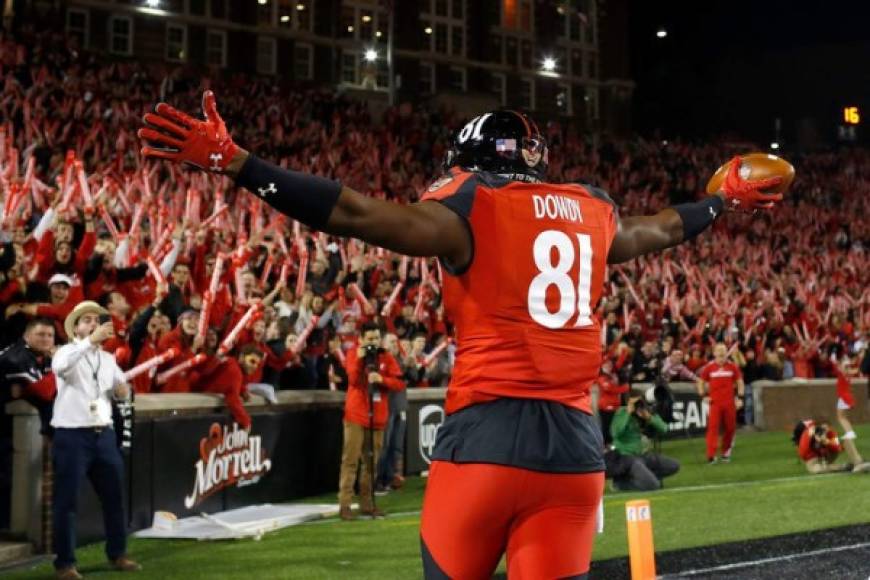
(571, 301)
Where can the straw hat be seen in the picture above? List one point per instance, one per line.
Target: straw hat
(86, 307)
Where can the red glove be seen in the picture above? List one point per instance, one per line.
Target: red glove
(181, 138)
(745, 195)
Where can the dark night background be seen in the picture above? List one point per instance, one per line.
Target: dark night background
(731, 68)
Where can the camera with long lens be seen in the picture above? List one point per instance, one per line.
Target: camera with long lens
(658, 400)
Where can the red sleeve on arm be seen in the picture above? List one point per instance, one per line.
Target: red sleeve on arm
(391, 377)
(48, 310)
(198, 272)
(89, 242)
(352, 366)
(45, 252)
(44, 389)
(9, 290)
(737, 374)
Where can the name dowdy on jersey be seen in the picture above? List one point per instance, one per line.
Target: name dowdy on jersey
(227, 457)
(557, 207)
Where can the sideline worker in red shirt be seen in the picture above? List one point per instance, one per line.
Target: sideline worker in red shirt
(719, 377)
(382, 373)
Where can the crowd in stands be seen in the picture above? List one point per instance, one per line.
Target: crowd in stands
(184, 261)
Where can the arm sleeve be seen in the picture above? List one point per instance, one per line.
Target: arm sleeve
(66, 357)
(44, 389)
(121, 252)
(619, 422)
(392, 378)
(658, 424)
(89, 242)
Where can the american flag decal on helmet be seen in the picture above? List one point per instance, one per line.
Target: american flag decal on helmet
(505, 145)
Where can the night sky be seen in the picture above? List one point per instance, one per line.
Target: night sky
(733, 67)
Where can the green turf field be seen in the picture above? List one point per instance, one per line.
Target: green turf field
(763, 492)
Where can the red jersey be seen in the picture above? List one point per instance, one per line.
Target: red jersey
(523, 307)
(722, 380)
(609, 391)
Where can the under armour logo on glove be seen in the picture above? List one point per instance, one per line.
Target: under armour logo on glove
(215, 161)
(712, 212)
(264, 191)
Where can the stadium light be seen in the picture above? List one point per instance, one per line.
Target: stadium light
(262, 2)
(300, 7)
(152, 3)
(378, 34)
(371, 55)
(285, 18)
(662, 33)
(774, 145)
(366, 18)
(428, 30)
(549, 64)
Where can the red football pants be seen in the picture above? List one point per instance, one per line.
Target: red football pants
(724, 416)
(473, 512)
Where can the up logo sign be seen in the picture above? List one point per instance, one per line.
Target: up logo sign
(431, 418)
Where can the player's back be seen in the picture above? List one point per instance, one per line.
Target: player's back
(523, 309)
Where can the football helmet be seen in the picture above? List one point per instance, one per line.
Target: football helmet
(503, 142)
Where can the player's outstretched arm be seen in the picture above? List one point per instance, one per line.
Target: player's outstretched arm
(641, 235)
(423, 229)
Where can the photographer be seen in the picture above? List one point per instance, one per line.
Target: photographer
(818, 447)
(372, 372)
(629, 464)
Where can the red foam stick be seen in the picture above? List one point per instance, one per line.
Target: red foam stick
(419, 307)
(215, 216)
(204, 313)
(188, 203)
(83, 185)
(267, 269)
(424, 270)
(303, 273)
(155, 270)
(427, 360)
(137, 220)
(180, 368)
(360, 297)
(230, 340)
(285, 271)
(240, 287)
(110, 223)
(216, 273)
(303, 336)
(158, 244)
(388, 306)
(149, 364)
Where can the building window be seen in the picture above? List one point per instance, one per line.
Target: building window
(427, 78)
(303, 62)
(526, 54)
(527, 94)
(120, 35)
(495, 48)
(304, 16)
(77, 23)
(498, 87)
(511, 50)
(361, 21)
(267, 51)
(576, 63)
(216, 48)
(563, 99)
(176, 42)
(458, 80)
(348, 67)
(592, 68)
(444, 21)
(526, 15)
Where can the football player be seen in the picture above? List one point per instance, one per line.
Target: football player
(518, 462)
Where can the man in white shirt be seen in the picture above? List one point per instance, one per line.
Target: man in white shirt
(84, 441)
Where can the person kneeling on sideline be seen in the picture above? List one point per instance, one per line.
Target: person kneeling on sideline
(629, 464)
(818, 447)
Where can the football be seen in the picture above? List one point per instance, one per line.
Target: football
(757, 166)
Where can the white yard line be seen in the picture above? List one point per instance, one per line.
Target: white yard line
(763, 561)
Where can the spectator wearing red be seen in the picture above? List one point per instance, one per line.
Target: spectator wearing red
(716, 385)
(226, 376)
(364, 422)
(609, 398)
(183, 338)
(63, 300)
